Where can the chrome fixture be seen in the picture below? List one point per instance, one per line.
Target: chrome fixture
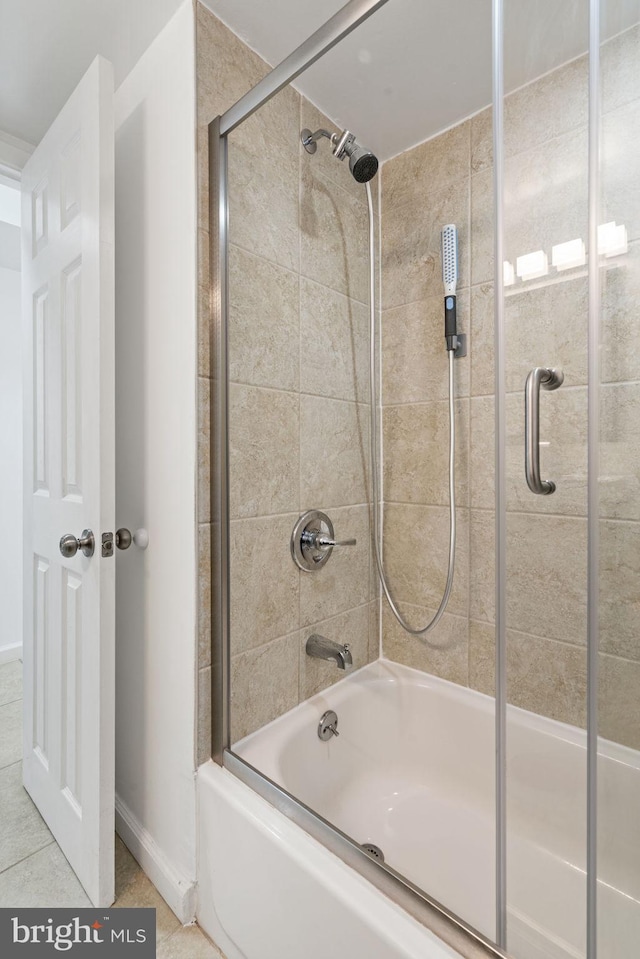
(313, 541)
(328, 726)
(124, 538)
(319, 647)
(363, 164)
(546, 379)
(70, 544)
(374, 851)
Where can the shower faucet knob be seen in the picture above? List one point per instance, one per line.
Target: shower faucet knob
(313, 541)
(324, 542)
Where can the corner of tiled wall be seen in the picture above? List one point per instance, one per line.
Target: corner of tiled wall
(298, 391)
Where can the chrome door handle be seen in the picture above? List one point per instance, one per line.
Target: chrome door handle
(539, 378)
(70, 544)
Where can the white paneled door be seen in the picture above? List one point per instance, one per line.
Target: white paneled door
(69, 477)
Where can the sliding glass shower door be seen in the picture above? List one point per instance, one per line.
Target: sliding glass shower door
(568, 330)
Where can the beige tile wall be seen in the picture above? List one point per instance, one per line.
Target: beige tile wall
(449, 179)
(298, 363)
(298, 348)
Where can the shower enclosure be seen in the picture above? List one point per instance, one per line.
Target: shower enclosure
(518, 715)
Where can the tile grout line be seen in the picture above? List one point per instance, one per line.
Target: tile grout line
(52, 842)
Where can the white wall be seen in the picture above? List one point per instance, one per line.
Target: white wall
(10, 462)
(156, 459)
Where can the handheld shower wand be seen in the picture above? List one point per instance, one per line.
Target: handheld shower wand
(450, 278)
(449, 238)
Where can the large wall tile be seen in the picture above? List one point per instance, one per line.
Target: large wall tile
(204, 714)
(620, 77)
(204, 595)
(546, 196)
(416, 453)
(343, 582)
(264, 684)
(227, 68)
(264, 322)
(483, 348)
(204, 450)
(547, 109)
(547, 326)
(443, 652)
(264, 451)
(547, 677)
(334, 453)
(482, 581)
(374, 630)
(352, 627)
(414, 356)
(482, 657)
(482, 453)
(426, 168)
(618, 716)
(416, 552)
(334, 244)
(264, 581)
(547, 576)
(482, 140)
(543, 675)
(620, 354)
(620, 188)
(334, 337)
(411, 257)
(263, 181)
(482, 216)
(204, 305)
(620, 589)
(620, 451)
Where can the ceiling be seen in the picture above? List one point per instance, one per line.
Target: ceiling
(417, 67)
(47, 45)
(410, 71)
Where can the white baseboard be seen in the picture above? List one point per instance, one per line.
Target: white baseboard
(10, 653)
(179, 893)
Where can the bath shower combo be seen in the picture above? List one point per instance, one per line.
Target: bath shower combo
(364, 166)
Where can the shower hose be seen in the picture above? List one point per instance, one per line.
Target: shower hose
(414, 631)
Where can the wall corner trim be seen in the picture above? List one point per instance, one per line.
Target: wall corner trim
(178, 892)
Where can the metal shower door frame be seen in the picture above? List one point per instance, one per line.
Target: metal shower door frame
(593, 449)
(449, 927)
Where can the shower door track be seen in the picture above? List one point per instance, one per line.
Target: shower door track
(443, 923)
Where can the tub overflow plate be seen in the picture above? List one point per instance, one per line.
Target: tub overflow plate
(328, 726)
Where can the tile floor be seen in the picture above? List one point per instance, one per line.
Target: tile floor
(33, 871)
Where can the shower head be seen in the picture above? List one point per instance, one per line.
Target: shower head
(449, 238)
(363, 164)
(450, 258)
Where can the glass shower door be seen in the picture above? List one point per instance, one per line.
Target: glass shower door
(617, 658)
(543, 396)
(569, 332)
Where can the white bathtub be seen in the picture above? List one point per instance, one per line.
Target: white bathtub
(413, 772)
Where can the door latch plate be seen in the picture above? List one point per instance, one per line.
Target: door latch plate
(107, 544)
